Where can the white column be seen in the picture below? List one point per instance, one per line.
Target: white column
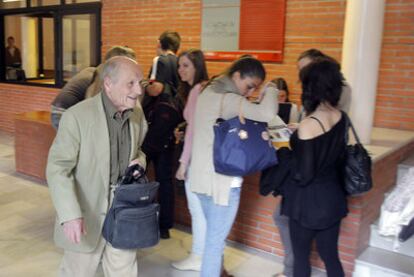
(360, 60)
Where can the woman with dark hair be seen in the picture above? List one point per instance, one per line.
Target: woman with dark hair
(219, 194)
(308, 57)
(288, 111)
(314, 198)
(193, 74)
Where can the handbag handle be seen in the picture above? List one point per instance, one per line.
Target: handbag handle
(241, 116)
(350, 125)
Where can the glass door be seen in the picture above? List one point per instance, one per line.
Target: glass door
(79, 43)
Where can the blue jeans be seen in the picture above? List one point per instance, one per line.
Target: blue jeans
(198, 221)
(219, 219)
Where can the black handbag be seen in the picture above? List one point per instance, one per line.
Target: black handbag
(241, 146)
(132, 220)
(357, 164)
(273, 179)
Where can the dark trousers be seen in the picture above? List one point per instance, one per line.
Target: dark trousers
(326, 244)
(163, 163)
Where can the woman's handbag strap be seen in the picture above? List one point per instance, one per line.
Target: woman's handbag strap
(350, 125)
(241, 116)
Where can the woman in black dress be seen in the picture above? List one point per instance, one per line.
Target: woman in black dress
(314, 199)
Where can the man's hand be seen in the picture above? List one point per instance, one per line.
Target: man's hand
(73, 229)
(136, 173)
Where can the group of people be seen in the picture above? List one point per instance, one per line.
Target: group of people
(111, 117)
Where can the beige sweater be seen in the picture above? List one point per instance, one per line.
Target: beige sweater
(201, 175)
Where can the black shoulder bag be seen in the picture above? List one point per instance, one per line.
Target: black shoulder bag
(132, 220)
(357, 164)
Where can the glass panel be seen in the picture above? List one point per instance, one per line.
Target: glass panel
(26, 58)
(48, 43)
(37, 3)
(11, 4)
(79, 37)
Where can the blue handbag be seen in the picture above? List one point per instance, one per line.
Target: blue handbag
(241, 146)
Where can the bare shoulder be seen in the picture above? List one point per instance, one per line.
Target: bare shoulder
(309, 128)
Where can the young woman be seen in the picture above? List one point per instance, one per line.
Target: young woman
(220, 194)
(288, 111)
(314, 198)
(193, 73)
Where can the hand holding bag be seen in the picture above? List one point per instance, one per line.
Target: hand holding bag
(357, 164)
(241, 146)
(132, 220)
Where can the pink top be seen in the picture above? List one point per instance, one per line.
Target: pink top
(188, 113)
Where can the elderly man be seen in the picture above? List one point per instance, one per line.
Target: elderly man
(96, 141)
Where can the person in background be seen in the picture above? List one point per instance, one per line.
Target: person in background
(163, 112)
(13, 62)
(309, 56)
(220, 194)
(288, 111)
(193, 76)
(83, 85)
(314, 198)
(13, 55)
(95, 143)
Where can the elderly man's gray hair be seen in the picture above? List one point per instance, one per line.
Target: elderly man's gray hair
(111, 67)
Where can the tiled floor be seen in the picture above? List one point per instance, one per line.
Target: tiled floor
(27, 249)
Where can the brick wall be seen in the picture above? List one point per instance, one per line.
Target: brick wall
(317, 24)
(395, 97)
(17, 98)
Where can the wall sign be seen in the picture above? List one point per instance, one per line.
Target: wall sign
(231, 28)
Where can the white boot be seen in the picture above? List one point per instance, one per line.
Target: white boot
(192, 262)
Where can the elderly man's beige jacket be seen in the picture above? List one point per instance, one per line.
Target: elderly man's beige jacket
(78, 168)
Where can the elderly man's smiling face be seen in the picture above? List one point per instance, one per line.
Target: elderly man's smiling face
(123, 87)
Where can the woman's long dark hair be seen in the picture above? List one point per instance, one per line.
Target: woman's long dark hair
(322, 82)
(196, 57)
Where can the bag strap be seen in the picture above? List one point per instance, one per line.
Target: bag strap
(241, 116)
(350, 125)
(320, 123)
(221, 105)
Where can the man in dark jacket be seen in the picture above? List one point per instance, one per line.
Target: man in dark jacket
(163, 115)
